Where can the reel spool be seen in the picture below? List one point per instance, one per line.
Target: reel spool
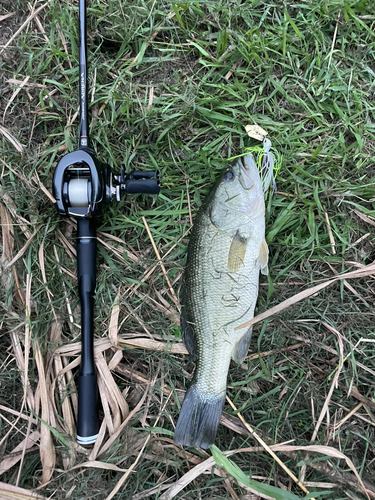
(78, 192)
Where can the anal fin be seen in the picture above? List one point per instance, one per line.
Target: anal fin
(241, 347)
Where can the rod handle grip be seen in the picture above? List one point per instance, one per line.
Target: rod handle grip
(88, 420)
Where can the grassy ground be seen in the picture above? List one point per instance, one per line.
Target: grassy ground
(172, 87)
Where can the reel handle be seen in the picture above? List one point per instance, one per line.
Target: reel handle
(146, 182)
(88, 419)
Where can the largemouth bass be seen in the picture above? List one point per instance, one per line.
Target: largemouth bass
(226, 251)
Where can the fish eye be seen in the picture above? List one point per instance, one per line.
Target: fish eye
(228, 176)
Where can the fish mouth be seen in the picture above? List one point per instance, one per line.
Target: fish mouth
(246, 178)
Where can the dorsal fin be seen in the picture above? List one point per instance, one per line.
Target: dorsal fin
(188, 335)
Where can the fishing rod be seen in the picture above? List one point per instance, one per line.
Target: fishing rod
(81, 185)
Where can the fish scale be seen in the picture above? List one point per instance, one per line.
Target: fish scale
(219, 293)
(208, 277)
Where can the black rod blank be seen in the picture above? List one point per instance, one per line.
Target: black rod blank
(84, 129)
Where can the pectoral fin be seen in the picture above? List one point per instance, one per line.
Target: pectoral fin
(263, 257)
(241, 347)
(236, 253)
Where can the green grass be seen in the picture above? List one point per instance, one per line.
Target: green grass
(316, 103)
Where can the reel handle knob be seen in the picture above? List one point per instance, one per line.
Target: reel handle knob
(146, 186)
(137, 181)
(147, 174)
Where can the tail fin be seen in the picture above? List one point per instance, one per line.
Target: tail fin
(199, 419)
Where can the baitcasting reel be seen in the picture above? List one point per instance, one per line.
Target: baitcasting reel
(82, 184)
